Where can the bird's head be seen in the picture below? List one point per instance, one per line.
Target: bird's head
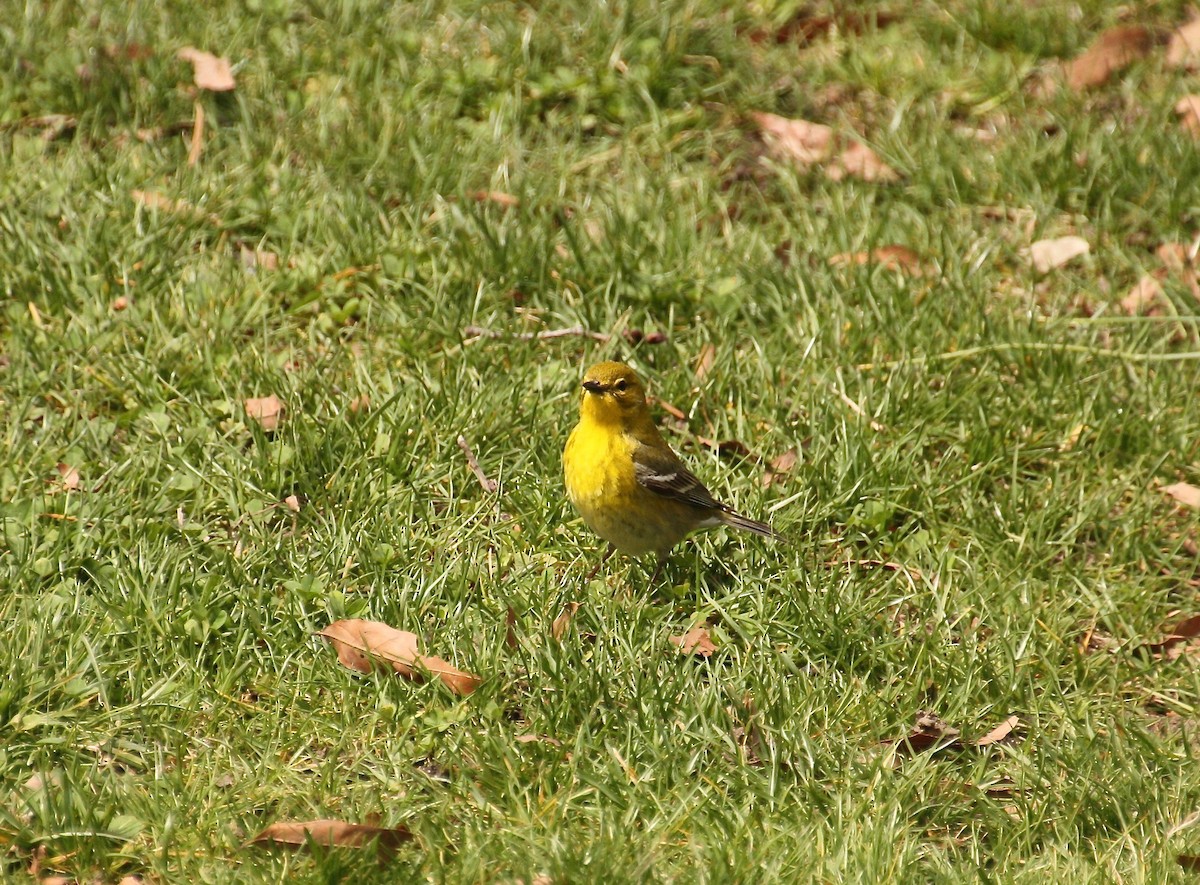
(612, 393)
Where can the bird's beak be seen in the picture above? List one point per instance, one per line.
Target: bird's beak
(593, 386)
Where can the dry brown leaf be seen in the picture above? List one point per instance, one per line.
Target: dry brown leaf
(1190, 862)
(1049, 254)
(727, 447)
(999, 733)
(1113, 50)
(254, 259)
(931, 733)
(1183, 50)
(69, 476)
(899, 258)
(1182, 631)
(804, 27)
(780, 465)
(859, 161)
(797, 141)
(704, 362)
(563, 621)
(208, 71)
(506, 201)
(1188, 111)
(266, 410)
(1185, 493)
(696, 641)
(361, 645)
(1145, 298)
(330, 834)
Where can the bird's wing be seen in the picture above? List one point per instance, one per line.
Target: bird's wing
(664, 474)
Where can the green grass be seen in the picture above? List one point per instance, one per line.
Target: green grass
(162, 676)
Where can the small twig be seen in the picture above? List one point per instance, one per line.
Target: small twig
(546, 335)
(197, 144)
(858, 410)
(489, 485)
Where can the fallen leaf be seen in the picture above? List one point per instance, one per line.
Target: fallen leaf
(780, 465)
(159, 202)
(330, 834)
(1183, 631)
(798, 141)
(362, 644)
(69, 477)
(510, 632)
(696, 641)
(727, 447)
(859, 161)
(563, 621)
(1112, 51)
(1188, 111)
(1145, 298)
(267, 411)
(931, 733)
(253, 259)
(999, 733)
(1190, 862)
(899, 258)
(1185, 493)
(506, 201)
(293, 503)
(1183, 50)
(1049, 254)
(537, 739)
(208, 71)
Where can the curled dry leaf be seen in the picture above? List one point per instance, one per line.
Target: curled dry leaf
(330, 834)
(362, 645)
(1188, 111)
(69, 476)
(267, 411)
(931, 733)
(1185, 493)
(899, 258)
(1183, 50)
(1049, 254)
(696, 641)
(1145, 298)
(999, 733)
(208, 71)
(563, 621)
(1115, 49)
(780, 465)
(1182, 631)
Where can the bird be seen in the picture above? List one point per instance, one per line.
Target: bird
(628, 485)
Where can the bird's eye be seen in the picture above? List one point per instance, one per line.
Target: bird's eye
(620, 385)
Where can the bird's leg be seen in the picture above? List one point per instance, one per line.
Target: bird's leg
(608, 553)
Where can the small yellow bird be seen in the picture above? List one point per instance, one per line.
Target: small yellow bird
(625, 481)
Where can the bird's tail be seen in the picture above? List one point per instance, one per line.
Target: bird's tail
(751, 525)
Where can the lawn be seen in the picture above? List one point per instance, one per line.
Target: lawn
(243, 331)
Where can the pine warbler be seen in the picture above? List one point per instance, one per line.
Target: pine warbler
(625, 481)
